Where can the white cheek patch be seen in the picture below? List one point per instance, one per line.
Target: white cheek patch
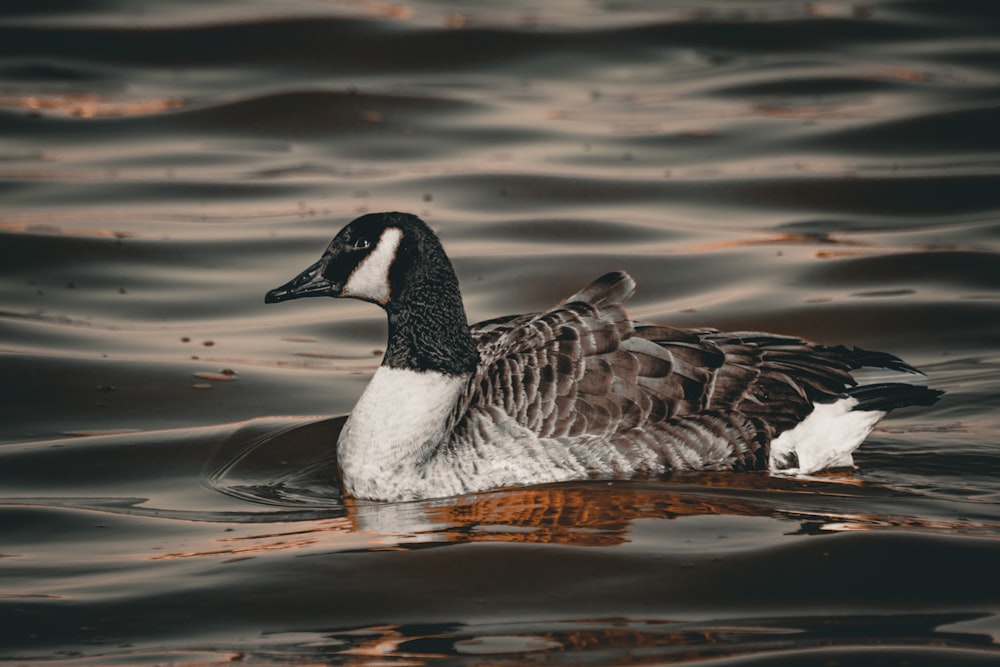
(370, 278)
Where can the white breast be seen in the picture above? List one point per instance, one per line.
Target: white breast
(398, 422)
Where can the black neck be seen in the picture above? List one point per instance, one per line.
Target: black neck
(428, 329)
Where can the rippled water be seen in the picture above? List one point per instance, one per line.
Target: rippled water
(827, 169)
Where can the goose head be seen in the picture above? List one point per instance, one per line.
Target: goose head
(362, 261)
(396, 261)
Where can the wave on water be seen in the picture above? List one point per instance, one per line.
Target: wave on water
(168, 492)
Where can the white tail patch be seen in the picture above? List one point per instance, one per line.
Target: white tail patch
(825, 439)
(370, 278)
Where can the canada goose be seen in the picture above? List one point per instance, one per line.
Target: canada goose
(579, 391)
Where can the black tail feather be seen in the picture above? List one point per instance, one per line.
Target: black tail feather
(890, 395)
(859, 358)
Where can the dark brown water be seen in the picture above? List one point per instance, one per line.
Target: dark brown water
(827, 169)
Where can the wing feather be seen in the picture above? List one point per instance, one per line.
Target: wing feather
(685, 397)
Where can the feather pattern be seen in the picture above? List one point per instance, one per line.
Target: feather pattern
(651, 398)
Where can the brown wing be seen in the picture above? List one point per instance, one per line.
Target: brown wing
(585, 369)
(550, 370)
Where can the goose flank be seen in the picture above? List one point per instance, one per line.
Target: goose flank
(579, 391)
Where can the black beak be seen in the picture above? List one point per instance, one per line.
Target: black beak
(310, 282)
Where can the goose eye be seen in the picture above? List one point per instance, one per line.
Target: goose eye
(362, 244)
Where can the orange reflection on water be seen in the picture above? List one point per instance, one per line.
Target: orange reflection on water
(245, 546)
(580, 515)
(646, 642)
(905, 74)
(603, 514)
(585, 514)
(781, 238)
(89, 105)
(385, 640)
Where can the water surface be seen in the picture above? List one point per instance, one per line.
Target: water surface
(829, 170)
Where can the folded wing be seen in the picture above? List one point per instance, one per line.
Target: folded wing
(663, 397)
